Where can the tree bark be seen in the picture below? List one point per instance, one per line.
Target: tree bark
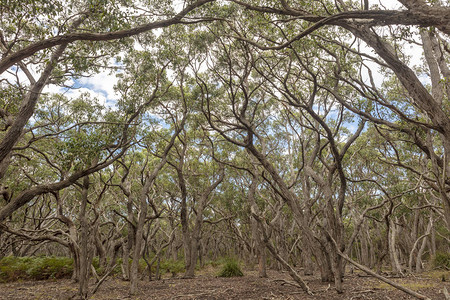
(422, 247)
(85, 249)
(259, 246)
(395, 264)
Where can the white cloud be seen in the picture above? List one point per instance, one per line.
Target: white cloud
(15, 75)
(102, 83)
(99, 85)
(77, 92)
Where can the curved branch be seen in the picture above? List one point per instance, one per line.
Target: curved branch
(86, 36)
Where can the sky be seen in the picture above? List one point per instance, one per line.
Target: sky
(100, 86)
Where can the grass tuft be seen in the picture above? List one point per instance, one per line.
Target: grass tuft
(231, 268)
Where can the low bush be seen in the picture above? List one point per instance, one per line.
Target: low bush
(35, 268)
(230, 268)
(172, 266)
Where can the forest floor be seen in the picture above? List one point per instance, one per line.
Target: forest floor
(207, 286)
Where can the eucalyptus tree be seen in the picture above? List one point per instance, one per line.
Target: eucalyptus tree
(290, 82)
(239, 199)
(297, 74)
(198, 177)
(154, 95)
(88, 141)
(83, 137)
(287, 28)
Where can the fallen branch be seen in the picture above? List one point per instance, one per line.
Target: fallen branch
(369, 271)
(94, 272)
(184, 296)
(382, 278)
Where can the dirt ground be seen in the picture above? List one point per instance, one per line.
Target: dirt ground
(207, 286)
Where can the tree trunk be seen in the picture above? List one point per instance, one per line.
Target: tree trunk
(262, 266)
(139, 237)
(195, 235)
(422, 247)
(190, 269)
(308, 265)
(302, 284)
(125, 260)
(324, 264)
(364, 248)
(139, 240)
(85, 256)
(187, 241)
(259, 246)
(101, 252)
(395, 264)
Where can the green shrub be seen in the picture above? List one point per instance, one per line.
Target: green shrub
(231, 269)
(441, 260)
(13, 268)
(35, 268)
(50, 267)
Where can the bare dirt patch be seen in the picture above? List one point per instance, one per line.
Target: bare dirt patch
(250, 286)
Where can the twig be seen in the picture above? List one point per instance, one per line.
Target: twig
(283, 282)
(226, 290)
(446, 294)
(362, 292)
(189, 295)
(97, 278)
(103, 279)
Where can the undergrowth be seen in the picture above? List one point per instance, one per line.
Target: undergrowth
(41, 268)
(441, 260)
(35, 268)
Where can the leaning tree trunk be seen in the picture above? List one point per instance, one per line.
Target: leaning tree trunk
(259, 246)
(73, 237)
(308, 264)
(422, 247)
(294, 275)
